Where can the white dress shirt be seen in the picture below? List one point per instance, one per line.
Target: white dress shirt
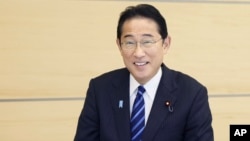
(149, 95)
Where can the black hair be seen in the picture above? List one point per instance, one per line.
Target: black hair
(143, 10)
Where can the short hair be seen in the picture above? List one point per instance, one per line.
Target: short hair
(143, 10)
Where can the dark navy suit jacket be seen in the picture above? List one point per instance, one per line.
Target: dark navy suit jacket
(186, 118)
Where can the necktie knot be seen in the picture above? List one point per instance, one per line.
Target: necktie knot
(141, 90)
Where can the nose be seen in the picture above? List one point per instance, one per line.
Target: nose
(139, 52)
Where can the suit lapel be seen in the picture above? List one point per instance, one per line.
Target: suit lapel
(160, 110)
(120, 102)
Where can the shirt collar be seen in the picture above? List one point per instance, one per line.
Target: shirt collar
(151, 86)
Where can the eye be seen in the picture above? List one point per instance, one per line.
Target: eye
(146, 43)
(129, 42)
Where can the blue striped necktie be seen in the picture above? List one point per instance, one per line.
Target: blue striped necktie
(137, 122)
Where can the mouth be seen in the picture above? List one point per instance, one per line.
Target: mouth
(140, 63)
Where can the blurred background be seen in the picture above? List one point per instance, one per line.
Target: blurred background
(50, 49)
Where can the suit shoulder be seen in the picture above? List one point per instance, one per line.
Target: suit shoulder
(112, 75)
(188, 88)
(185, 79)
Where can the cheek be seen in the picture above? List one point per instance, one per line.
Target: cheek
(156, 56)
(126, 56)
(155, 53)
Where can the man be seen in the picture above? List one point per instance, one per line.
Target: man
(146, 101)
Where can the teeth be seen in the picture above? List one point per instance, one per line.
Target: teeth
(140, 64)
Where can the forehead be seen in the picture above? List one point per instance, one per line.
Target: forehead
(139, 26)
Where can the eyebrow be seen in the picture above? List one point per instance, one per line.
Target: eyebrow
(143, 35)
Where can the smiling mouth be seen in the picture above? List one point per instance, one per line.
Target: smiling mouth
(140, 63)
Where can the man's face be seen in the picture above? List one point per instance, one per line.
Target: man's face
(142, 59)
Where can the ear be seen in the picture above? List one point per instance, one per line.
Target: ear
(118, 43)
(166, 44)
